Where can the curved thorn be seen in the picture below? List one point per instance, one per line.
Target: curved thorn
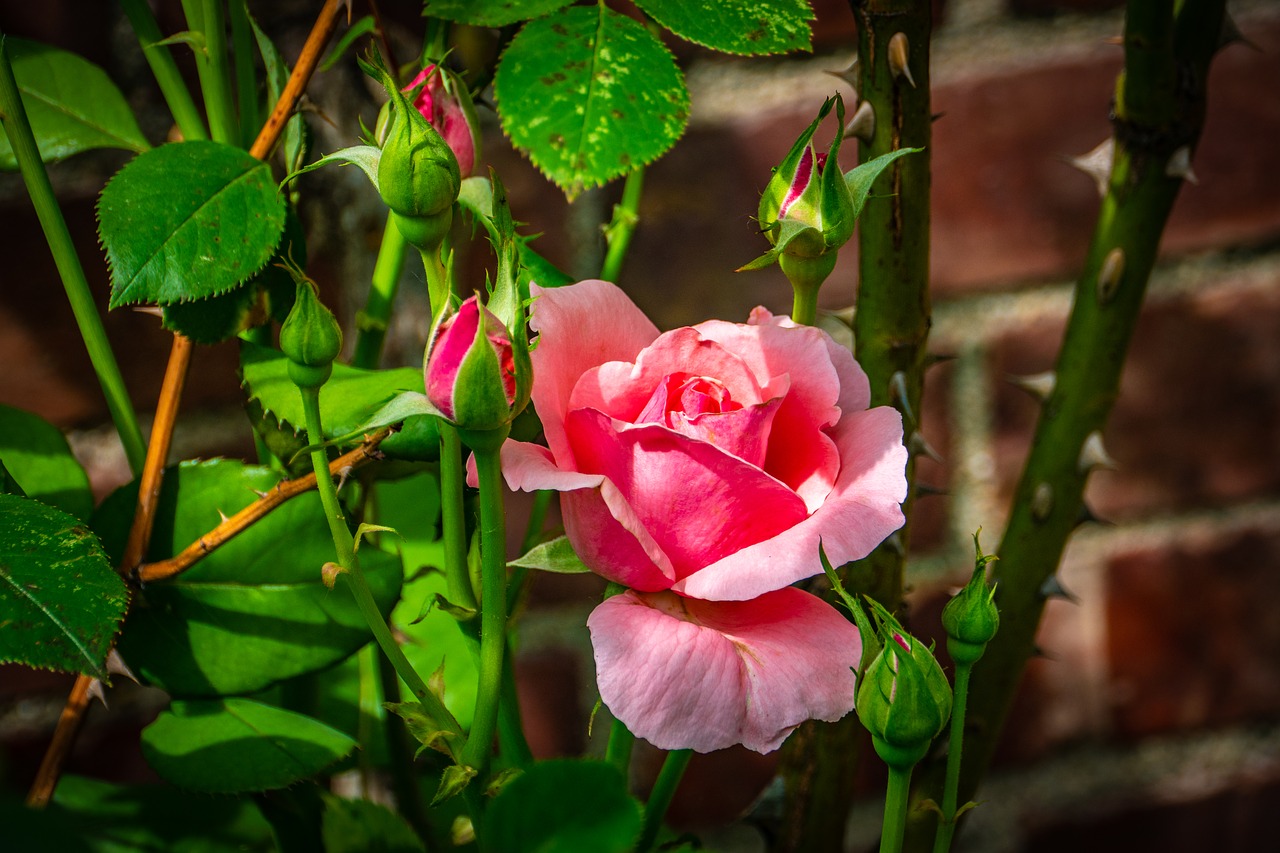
(898, 386)
(1038, 385)
(1093, 454)
(917, 446)
(1097, 164)
(863, 123)
(899, 56)
(1053, 588)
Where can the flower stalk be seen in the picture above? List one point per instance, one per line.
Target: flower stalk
(664, 790)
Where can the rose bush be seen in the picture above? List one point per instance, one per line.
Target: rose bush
(701, 468)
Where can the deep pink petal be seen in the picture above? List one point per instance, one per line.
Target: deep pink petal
(621, 389)
(862, 509)
(698, 502)
(611, 541)
(689, 674)
(582, 326)
(742, 432)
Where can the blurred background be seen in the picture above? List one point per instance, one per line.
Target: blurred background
(1153, 717)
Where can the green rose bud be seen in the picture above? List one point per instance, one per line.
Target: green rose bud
(310, 337)
(904, 700)
(971, 618)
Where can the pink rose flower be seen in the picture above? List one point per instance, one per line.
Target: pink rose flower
(700, 467)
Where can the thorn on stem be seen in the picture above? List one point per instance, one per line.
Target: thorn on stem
(863, 123)
(1038, 385)
(898, 387)
(925, 490)
(96, 692)
(1179, 165)
(1042, 502)
(1093, 454)
(917, 446)
(899, 56)
(1053, 588)
(1097, 164)
(849, 75)
(1111, 274)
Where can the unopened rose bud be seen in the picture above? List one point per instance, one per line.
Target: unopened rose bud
(418, 175)
(809, 193)
(470, 372)
(904, 700)
(310, 337)
(971, 618)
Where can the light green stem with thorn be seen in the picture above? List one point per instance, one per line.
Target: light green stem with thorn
(14, 117)
(344, 545)
(618, 234)
(371, 333)
(493, 617)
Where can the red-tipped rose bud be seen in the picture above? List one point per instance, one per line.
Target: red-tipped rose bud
(445, 103)
(471, 369)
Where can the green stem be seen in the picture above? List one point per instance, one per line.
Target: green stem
(344, 545)
(14, 117)
(618, 234)
(438, 285)
(372, 322)
(165, 69)
(804, 305)
(215, 82)
(493, 617)
(511, 739)
(947, 824)
(452, 519)
(618, 750)
(664, 789)
(895, 809)
(243, 46)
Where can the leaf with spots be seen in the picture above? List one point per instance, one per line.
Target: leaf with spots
(589, 95)
(752, 27)
(188, 221)
(491, 13)
(60, 601)
(236, 745)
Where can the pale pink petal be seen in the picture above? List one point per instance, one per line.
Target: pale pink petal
(689, 674)
(529, 467)
(862, 509)
(621, 389)
(581, 326)
(698, 502)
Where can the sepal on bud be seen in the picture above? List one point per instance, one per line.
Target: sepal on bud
(971, 618)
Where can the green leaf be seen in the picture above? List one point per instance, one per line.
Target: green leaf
(186, 221)
(235, 745)
(157, 819)
(556, 555)
(295, 129)
(360, 826)
(60, 601)
(564, 806)
(590, 94)
(254, 611)
(26, 829)
(348, 401)
(860, 178)
(491, 13)
(39, 459)
(71, 103)
(737, 26)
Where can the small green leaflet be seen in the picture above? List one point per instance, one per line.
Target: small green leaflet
(38, 458)
(590, 95)
(60, 601)
(555, 556)
(737, 26)
(186, 221)
(71, 104)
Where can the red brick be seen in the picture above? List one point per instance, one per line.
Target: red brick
(548, 683)
(1192, 638)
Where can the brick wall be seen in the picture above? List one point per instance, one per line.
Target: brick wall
(1155, 712)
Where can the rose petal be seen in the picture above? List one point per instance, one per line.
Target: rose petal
(862, 509)
(529, 467)
(698, 502)
(621, 389)
(689, 674)
(580, 327)
(612, 542)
